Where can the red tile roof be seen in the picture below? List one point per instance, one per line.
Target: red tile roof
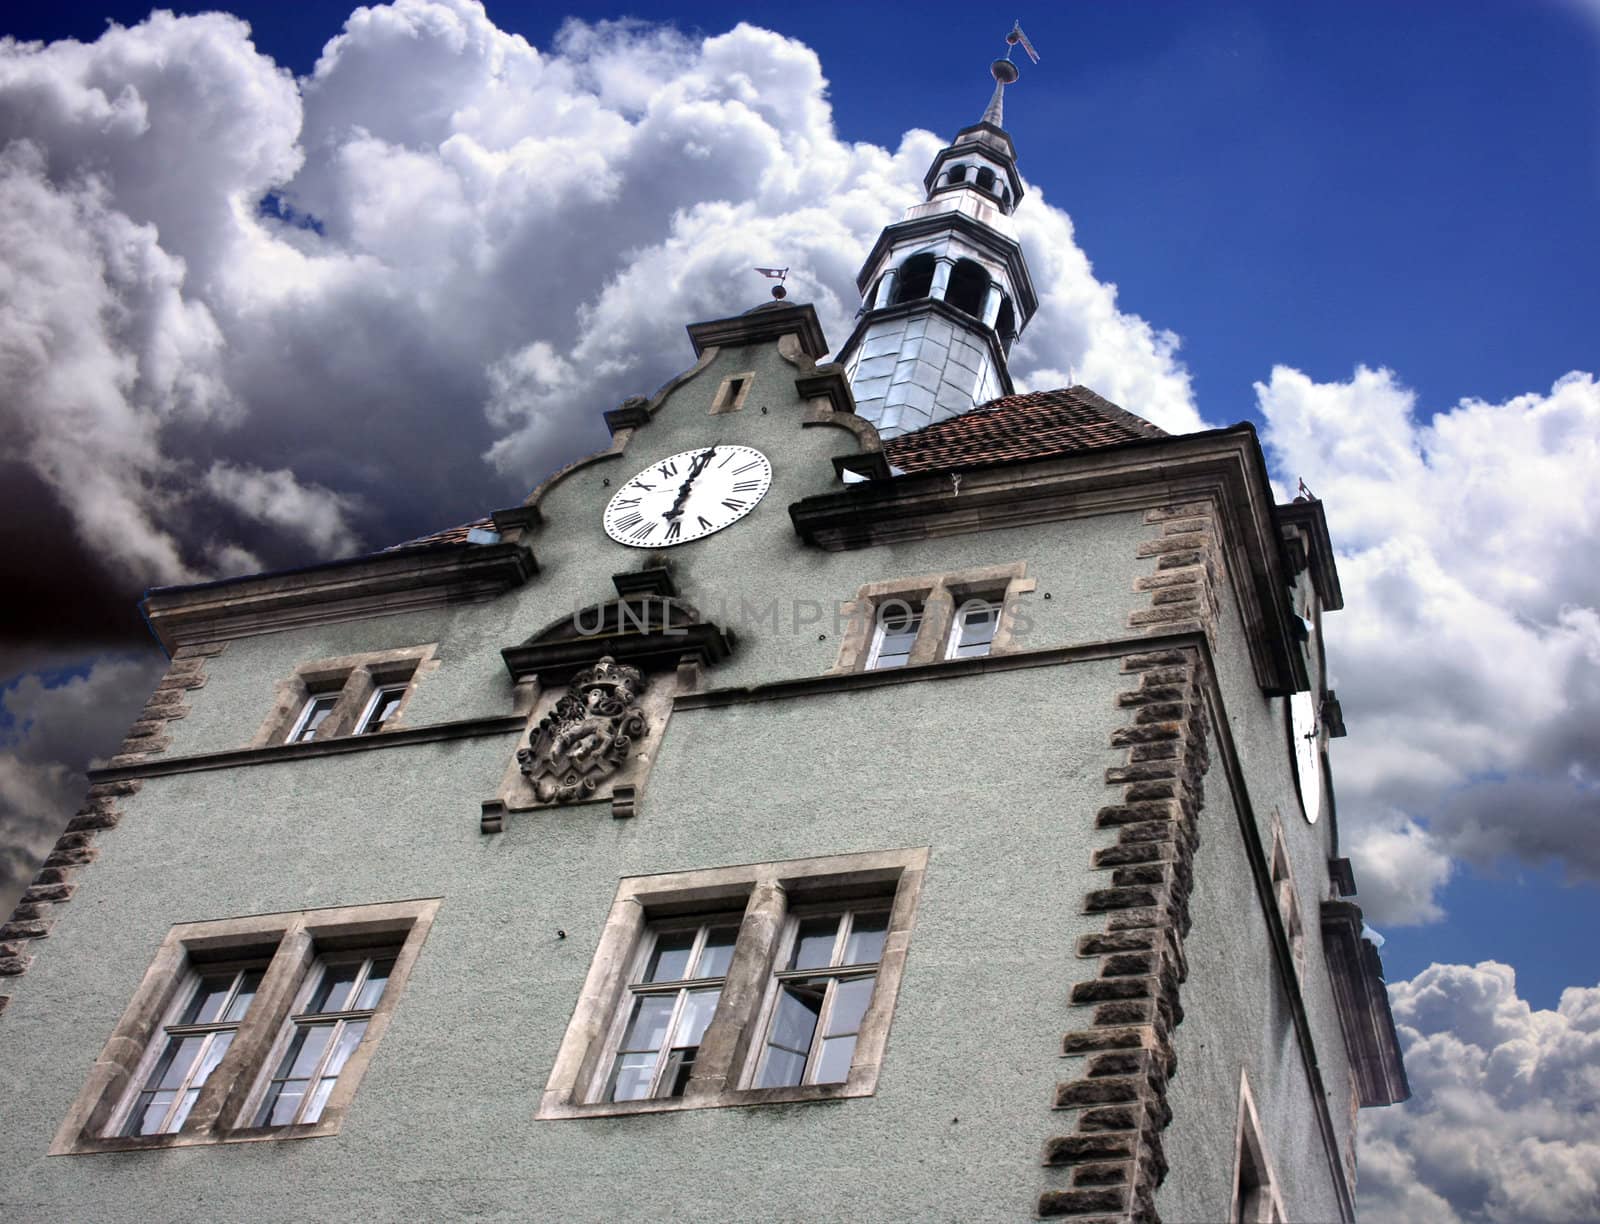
(450, 535)
(1031, 426)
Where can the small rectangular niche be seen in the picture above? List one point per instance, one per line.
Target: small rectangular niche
(732, 393)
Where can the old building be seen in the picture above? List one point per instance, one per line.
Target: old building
(860, 792)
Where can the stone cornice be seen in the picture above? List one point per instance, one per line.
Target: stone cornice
(1308, 516)
(274, 754)
(1363, 1003)
(1223, 466)
(763, 324)
(381, 584)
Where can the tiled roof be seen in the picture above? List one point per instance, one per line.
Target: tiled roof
(1031, 426)
(450, 535)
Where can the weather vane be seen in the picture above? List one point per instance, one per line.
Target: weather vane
(777, 274)
(1017, 36)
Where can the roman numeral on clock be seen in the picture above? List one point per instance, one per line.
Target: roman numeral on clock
(747, 486)
(705, 523)
(733, 504)
(673, 529)
(740, 471)
(623, 524)
(643, 530)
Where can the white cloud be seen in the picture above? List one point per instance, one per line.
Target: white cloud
(1504, 1121)
(481, 246)
(1468, 654)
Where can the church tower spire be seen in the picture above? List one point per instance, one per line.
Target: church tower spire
(945, 291)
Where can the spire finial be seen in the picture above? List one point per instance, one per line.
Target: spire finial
(1005, 73)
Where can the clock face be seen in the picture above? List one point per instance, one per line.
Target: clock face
(688, 495)
(1307, 738)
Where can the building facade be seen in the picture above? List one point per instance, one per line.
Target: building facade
(830, 801)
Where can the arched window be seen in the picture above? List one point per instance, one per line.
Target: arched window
(1005, 199)
(969, 284)
(1005, 325)
(986, 179)
(915, 279)
(958, 174)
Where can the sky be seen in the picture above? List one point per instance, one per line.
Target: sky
(289, 290)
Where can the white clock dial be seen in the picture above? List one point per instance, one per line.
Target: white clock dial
(1307, 736)
(688, 495)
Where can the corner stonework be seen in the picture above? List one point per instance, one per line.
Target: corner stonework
(53, 885)
(1112, 1117)
(148, 735)
(1183, 590)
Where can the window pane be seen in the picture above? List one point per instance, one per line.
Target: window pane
(178, 1119)
(696, 1015)
(319, 1098)
(247, 990)
(865, 943)
(782, 1069)
(669, 961)
(975, 628)
(333, 991)
(718, 953)
(648, 1028)
(813, 944)
(383, 708)
(316, 713)
(349, 1038)
(850, 999)
(833, 1060)
(148, 1113)
(796, 1018)
(680, 1066)
(633, 1076)
(372, 989)
(208, 999)
(304, 1052)
(897, 633)
(176, 1062)
(283, 1098)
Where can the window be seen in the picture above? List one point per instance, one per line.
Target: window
(354, 695)
(342, 998)
(249, 1028)
(909, 622)
(968, 287)
(915, 279)
(973, 628)
(985, 179)
(312, 716)
(674, 995)
(898, 624)
(1255, 1190)
(740, 986)
(958, 174)
(820, 999)
(201, 1028)
(383, 706)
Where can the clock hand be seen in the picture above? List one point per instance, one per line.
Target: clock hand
(699, 465)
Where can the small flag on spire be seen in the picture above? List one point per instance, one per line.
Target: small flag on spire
(1017, 36)
(773, 273)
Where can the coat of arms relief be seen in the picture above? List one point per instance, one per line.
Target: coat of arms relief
(588, 735)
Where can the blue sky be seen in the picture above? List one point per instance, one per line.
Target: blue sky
(1370, 227)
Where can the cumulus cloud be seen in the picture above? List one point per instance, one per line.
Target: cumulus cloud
(248, 317)
(1504, 1122)
(1468, 653)
(51, 729)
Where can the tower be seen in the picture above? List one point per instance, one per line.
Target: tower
(946, 291)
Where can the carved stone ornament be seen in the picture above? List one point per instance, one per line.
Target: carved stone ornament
(587, 736)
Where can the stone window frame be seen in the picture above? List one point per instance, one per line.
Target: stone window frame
(1259, 1201)
(766, 893)
(938, 596)
(356, 679)
(291, 944)
(732, 393)
(1288, 899)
